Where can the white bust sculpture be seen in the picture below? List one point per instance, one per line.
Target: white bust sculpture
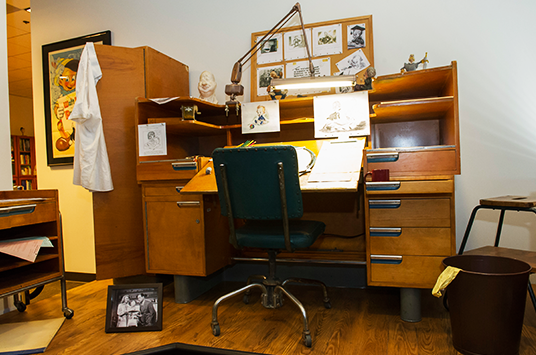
(207, 86)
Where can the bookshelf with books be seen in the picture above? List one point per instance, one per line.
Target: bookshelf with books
(23, 163)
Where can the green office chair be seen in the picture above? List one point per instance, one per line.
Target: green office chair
(260, 185)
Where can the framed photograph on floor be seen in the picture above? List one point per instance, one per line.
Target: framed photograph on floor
(60, 64)
(134, 308)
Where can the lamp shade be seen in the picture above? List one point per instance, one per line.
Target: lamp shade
(314, 82)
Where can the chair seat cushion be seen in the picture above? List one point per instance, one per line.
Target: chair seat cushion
(269, 234)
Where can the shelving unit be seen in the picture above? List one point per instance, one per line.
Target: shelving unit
(23, 162)
(30, 214)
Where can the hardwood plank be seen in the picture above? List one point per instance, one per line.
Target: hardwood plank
(361, 321)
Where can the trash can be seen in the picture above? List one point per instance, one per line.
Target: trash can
(487, 303)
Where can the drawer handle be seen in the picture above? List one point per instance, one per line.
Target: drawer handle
(384, 203)
(382, 157)
(382, 185)
(385, 232)
(188, 165)
(386, 259)
(14, 210)
(188, 203)
(178, 188)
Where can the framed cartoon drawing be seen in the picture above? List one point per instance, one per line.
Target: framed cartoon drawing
(60, 64)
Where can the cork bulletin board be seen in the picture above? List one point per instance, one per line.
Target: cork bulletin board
(339, 47)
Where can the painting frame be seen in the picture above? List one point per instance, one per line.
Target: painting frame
(125, 308)
(60, 141)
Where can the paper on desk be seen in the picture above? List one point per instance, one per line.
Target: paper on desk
(338, 160)
(25, 248)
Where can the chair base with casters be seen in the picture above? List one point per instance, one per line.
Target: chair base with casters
(273, 291)
(261, 187)
(503, 203)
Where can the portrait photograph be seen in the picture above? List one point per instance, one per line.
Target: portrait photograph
(134, 308)
(60, 65)
(356, 36)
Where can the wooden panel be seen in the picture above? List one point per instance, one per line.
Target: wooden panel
(413, 271)
(218, 250)
(118, 214)
(413, 213)
(165, 76)
(413, 241)
(44, 211)
(418, 162)
(411, 187)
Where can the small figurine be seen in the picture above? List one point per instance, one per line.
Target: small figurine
(207, 87)
(273, 92)
(411, 66)
(370, 73)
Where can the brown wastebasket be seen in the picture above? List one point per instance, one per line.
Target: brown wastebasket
(487, 303)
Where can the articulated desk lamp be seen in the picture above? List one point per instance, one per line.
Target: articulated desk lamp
(236, 89)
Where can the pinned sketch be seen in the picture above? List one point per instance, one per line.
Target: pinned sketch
(327, 40)
(342, 115)
(295, 44)
(260, 117)
(265, 76)
(152, 139)
(353, 63)
(356, 36)
(300, 69)
(271, 50)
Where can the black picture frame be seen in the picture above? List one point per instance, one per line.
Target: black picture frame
(126, 311)
(59, 64)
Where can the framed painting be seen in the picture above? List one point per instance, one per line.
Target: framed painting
(60, 64)
(134, 308)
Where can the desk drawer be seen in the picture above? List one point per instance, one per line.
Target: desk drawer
(164, 189)
(410, 187)
(410, 241)
(405, 271)
(443, 161)
(28, 213)
(434, 212)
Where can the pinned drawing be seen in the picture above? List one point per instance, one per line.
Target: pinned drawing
(342, 115)
(260, 117)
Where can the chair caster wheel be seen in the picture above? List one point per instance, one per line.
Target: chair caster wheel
(216, 329)
(327, 305)
(21, 306)
(307, 340)
(68, 313)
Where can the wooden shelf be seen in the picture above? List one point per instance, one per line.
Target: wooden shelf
(14, 263)
(393, 111)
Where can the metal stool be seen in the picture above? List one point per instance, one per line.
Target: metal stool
(503, 203)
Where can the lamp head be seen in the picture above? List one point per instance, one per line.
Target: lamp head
(235, 89)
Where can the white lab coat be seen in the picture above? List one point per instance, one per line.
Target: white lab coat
(91, 165)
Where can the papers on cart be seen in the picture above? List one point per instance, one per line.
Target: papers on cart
(25, 248)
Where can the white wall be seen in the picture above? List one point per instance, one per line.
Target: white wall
(491, 40)
(6, 182)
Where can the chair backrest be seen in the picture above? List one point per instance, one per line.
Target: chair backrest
(253, 183)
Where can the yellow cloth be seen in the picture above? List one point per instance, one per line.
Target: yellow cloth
(445, 279)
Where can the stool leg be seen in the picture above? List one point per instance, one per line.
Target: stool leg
(468, 229)
(532, 296)
(499, 229)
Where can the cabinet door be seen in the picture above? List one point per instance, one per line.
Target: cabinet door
(175, 236)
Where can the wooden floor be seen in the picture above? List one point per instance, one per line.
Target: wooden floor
(359, 322)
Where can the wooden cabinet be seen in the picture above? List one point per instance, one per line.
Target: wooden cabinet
(118, 215)
(31, 214)
(23, 162)
(185, 234)
(410, 220)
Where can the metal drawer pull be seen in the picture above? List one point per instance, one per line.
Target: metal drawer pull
(188, 203)
(13, 210)
(386, 259)
(184, 165)
(179, 188)
(384, 203)
(382, 185)
(385, 232)
(382, 157)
